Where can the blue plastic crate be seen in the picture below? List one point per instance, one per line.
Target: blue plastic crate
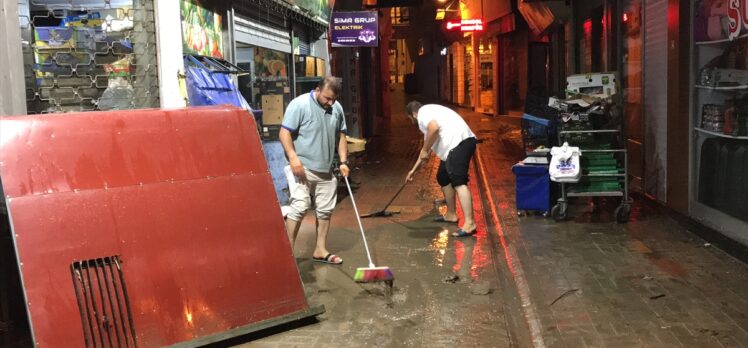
(533, 187)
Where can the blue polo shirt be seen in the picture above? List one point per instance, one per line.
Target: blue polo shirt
(315, 131)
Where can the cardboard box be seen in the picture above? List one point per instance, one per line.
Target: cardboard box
(601, 85)
(272, 109)
(54, 38)
(64, 39)
(320, 67)
(310, 67)
(355, 144)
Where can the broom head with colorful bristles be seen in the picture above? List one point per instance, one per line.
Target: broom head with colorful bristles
(373, 274)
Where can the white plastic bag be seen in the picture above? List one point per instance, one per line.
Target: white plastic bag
(291, 186)
(564, 165)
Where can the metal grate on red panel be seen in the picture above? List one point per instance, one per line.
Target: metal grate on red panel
(102, 299)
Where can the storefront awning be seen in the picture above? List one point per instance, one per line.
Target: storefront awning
(537, 15)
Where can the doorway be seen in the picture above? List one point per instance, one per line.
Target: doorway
(538, 79)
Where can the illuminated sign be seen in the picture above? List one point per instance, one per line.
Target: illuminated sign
(354, 29)
(466, 25)
(737, 17)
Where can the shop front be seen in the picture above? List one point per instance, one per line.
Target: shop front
(86, 56)
(310, 56)
(283, 54)
(263, 50)
(719, 120)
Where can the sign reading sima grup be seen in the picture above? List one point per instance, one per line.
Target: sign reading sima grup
(354, 29)
(737, 14)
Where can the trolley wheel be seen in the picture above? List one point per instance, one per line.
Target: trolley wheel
(559, 212)
(622, 213)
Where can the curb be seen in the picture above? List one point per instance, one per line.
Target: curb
(511, 257)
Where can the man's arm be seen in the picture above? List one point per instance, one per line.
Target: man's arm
(343, 154)
(432, 133)
(293, 160)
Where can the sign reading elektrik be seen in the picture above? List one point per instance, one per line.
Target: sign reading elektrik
(350, 29)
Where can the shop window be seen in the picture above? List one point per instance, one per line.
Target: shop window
(89, 55)
(266, 86)
(720, 119)
(399, 16)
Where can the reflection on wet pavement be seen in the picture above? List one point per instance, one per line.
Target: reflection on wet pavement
(439, 244)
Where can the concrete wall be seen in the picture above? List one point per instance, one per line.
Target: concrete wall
(12, 89)
(679, 89)
(169, 46)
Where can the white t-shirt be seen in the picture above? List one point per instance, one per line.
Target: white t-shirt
(452, 128)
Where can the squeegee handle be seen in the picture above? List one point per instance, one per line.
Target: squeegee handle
(358, 218)
(395, 196)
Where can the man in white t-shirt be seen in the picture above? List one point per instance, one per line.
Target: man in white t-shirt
(447, 134)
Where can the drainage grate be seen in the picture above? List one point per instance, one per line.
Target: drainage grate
(103, 302)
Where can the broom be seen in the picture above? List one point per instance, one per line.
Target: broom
(372, 273)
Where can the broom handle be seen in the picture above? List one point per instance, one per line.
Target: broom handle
(360, 226)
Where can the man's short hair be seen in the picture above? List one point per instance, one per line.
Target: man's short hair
(413, 107)
(335, 84)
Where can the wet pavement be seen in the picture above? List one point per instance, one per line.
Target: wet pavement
(521, 282)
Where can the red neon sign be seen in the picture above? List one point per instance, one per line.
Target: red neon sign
(466, 25)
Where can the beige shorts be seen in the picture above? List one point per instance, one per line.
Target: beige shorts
(324, 188)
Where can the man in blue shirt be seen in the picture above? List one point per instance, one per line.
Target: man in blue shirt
(313, 126)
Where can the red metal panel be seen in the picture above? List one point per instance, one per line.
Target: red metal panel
(184, 198)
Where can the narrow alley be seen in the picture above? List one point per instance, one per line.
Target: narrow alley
(584, 283)
(157, 158)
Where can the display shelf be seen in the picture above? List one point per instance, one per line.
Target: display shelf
(308, 79)
(702, 43)
(730, 88)
(717, 134)
(595, 194)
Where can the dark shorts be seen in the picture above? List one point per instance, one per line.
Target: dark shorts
(455, 170)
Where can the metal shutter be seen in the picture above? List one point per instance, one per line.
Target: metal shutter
(301, 31)
(262, 23)
(256, 34)
(65, 67)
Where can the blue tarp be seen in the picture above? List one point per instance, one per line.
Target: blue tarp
(532, 118)
(207, 87)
